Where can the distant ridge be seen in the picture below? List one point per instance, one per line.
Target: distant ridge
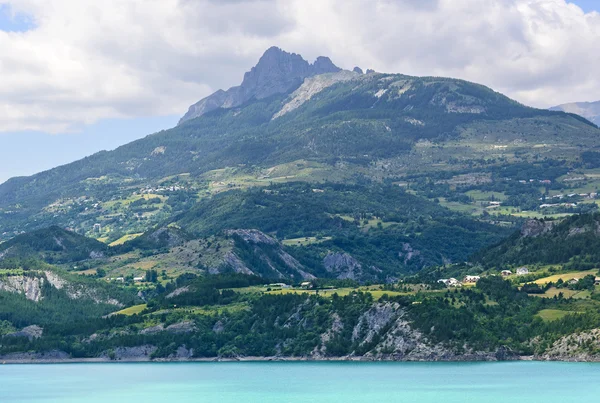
(589, 110)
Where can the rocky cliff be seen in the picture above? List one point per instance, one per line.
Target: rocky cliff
(277, 72)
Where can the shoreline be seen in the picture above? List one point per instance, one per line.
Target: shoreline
(34, 361)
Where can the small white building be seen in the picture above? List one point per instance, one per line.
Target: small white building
(506, 273)
(279, 285)
(521, 271)
(450, 282)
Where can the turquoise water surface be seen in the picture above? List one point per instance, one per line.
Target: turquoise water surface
(302, 382)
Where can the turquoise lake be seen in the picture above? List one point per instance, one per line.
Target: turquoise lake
(302, 382)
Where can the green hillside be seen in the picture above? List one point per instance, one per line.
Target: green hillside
(573, 241)
(53, 245)
(372, 126)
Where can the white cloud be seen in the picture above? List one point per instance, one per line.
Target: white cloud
(87, 60)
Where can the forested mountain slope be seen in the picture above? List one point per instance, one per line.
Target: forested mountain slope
(574, 241)
(342, 125)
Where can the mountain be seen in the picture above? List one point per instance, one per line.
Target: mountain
(589, 110)
(573, 241)
(336, 126)
(53, 245)
(359, 176)
(277, 72)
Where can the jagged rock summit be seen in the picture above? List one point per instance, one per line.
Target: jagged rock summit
(277, 72)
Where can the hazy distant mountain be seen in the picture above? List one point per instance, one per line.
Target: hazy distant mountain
(589, 110)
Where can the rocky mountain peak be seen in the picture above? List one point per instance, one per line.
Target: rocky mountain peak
(277, 72)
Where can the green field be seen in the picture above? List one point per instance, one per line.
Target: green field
(207, 310)
(125, 238)
(132, 310)
(549, 315)
(565, 276)
(305, 241)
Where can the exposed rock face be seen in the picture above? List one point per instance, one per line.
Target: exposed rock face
(30, 286)
(55, 280)
(183, 353)
(182, 327)
(373, 321)
(153, 329)
(253, 236)
(54, 355)
(235, 263)
(281, 264)
(139, 353)
(389, 325)
(30, 332)
(336, 327)
(408, 253)
(575, 347)
(534, 228)
(167, 237)
(277, 72)
(178, 291)
(343, 266)
(313, 86)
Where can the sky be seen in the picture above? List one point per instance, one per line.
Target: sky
(79, 76)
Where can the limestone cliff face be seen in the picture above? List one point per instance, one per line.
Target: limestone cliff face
(343, 266)
(31, 287)
(277, 72)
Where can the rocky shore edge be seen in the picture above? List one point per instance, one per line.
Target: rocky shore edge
(59, 357)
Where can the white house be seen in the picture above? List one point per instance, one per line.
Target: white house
(506, 273)
(522, 271)
(450, 282)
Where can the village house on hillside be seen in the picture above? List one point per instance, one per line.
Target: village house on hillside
(471, 279)
(450, 282)
(506, 273)
(521, 271)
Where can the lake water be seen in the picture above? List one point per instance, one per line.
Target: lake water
(345, 382)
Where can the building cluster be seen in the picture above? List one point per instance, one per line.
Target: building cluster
(592, 195)
(162, 189)
(452, 282)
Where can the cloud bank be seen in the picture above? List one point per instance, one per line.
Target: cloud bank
(83, 60)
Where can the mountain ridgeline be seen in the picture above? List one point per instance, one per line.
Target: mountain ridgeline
(589, 110)
(318, 213)
(365, 121)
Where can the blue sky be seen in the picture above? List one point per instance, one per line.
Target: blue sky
(29, 152)
(588, 5)
(25, 153)
(14, 23)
